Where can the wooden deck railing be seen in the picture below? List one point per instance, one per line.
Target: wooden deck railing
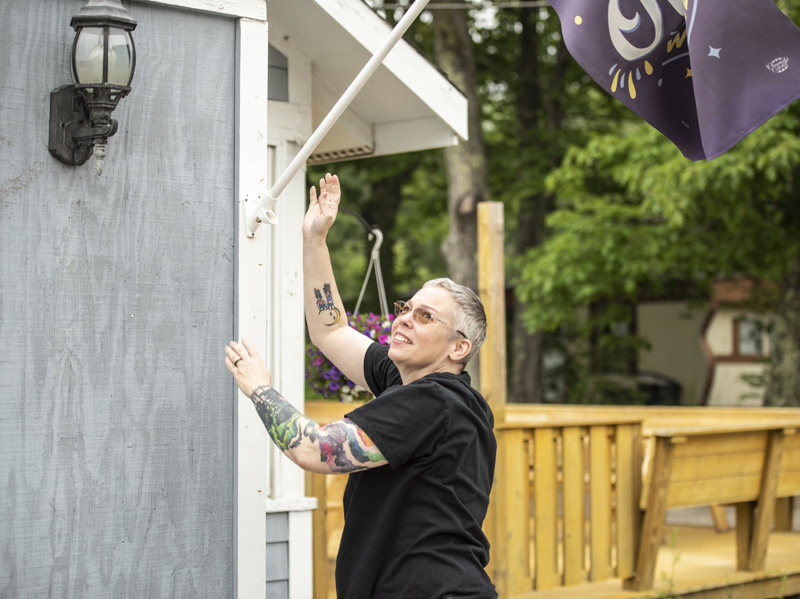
(568, 501)
(564, 506)
(627, 469)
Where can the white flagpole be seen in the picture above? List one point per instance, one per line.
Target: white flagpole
(264, 211)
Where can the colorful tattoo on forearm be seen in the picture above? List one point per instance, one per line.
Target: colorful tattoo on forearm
(288, 428)
(326, 305)
(280, 418)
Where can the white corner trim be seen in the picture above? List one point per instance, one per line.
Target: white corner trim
(301, 562)
(250, 288)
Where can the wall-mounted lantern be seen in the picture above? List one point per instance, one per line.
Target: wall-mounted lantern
(102, 62)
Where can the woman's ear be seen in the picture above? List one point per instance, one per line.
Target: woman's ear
(460, 349)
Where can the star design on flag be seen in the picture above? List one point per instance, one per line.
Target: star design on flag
(688, 73)
(712, 51)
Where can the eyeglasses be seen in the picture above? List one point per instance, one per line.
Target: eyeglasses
(421, 316)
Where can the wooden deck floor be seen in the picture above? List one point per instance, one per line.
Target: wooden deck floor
(696, 562)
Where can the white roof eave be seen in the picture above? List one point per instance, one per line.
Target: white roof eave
(407, 105)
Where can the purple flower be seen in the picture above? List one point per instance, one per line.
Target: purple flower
(327, 380)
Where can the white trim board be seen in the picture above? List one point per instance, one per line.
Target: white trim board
(250, 287)
(250, 9)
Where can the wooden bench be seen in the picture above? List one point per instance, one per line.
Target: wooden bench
(749, 466)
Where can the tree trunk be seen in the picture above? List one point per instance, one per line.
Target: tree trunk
(526, 367)
(783, 383)
(536, 112)
(467, 176)
(466, 164)
(526, 362)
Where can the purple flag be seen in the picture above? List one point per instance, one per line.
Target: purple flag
(706, 73)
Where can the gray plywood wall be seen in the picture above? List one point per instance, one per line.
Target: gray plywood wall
(116, 298)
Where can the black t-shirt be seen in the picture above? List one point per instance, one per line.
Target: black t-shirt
(413, 528)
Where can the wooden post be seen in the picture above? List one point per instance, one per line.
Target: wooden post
(491, 288)
(784, 506)
(510, 556)
(745, 518)
(629, 490)
(765, 511)
(600, 503)
(654, 517)
(574, 506)
(546, 502)
(719, 518)
(315, 483)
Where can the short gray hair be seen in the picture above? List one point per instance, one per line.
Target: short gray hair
(469, 316)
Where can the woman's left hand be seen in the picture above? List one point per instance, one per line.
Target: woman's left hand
(246, 366)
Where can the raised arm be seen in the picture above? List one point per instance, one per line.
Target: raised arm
(325, 314)
(335, 448)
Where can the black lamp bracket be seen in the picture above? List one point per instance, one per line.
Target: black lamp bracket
(72, 135)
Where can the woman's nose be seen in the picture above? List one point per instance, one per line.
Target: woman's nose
(407, 318)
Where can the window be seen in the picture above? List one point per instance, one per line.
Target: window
(277, 76)
(750, 337)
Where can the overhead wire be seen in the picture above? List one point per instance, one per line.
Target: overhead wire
(469, 5)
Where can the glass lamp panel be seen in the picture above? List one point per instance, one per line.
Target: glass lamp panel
(120, 57)
(87, 59)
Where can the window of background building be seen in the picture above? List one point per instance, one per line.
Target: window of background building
(751, 337)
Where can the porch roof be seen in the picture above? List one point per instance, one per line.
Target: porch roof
(406, 105)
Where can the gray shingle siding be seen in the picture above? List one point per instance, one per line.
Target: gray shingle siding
(277, 556)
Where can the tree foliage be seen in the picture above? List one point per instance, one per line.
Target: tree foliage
(635, 219)
(601, 210)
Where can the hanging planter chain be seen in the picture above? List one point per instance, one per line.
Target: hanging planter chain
(374, 262)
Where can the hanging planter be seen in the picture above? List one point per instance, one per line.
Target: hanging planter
(330, 382)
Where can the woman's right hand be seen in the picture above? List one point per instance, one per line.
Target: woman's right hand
(322, 210)
(247, 367)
